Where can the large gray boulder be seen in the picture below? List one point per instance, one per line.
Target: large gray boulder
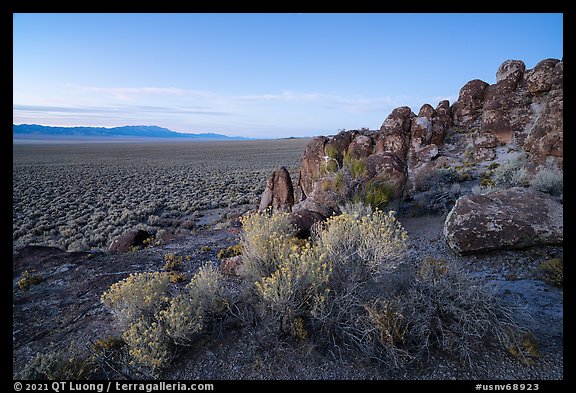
(505, 219)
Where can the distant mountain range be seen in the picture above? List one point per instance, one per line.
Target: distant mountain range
(125, 131)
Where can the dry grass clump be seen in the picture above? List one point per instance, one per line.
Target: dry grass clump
(154, 316)
(445, 309)
(552, 271)
(80, 197)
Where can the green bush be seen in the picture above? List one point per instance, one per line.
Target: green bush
(358, 168)
(377, 194)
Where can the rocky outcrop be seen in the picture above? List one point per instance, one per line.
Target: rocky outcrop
(522, 111)
(310, 163)
(128, 241)
(467, 110)
(279, 192)
(394, 135)
(542, 78)
(506, 219)
(545, 139)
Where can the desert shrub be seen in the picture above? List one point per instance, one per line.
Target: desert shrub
(317, 289)
(265, 242)
(194, 308)
(482, 190)
(439, 199)
(358, 167)
(172, 262)
(176, 277)
(231, 251)
(139, 295)
(549, 181)
(356, 209)
(58, 365)
(205, 249)
(377, 194)
(148, 344)
(361, 245)
(511, 174)
(135, 303)
(289, 293)
(342, 289)
(446, 310)
(437, 192)
(108, 344)
(153, 319)
(446, 175)
(381, 332)
(28, 279)
(552, 271)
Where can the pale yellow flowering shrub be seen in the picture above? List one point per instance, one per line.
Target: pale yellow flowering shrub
(299, 284)
(361, 245)
(148, 344)
(141, 294)
(152, 320)
(318, 284)
(191, 310)
(265, 243)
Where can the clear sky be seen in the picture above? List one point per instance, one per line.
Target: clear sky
(259, 75)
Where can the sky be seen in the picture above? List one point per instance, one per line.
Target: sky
(259, 75)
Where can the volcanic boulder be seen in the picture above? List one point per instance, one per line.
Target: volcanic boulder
(279, 192)
(506, 219)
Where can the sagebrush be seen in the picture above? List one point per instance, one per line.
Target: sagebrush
(330, 290)
(154, 316)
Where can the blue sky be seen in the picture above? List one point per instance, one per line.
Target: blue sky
(259, 75)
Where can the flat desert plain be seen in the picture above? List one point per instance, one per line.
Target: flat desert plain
(79, 196)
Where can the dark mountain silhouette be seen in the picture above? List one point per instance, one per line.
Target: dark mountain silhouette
(124, 131)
